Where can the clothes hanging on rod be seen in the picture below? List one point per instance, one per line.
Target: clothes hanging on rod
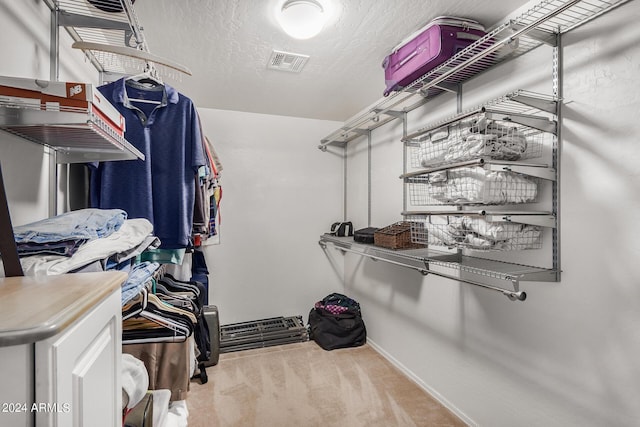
(200, 272)
(160, 323)
(159, 308)
(161, 188)
(148, 318)
(167, 363)
(207, 216)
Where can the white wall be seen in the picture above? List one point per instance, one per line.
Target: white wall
(568, 355)
(24, 49)
(280, 193)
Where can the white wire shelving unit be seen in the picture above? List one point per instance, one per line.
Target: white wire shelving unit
(542, 25)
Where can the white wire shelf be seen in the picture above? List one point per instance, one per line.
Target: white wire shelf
(76, 134)
(526, 108)
(537, 170)
(471, 186)
(462, 268)
(473, 233)
(537, 26)
(537, 218)
(109, 33)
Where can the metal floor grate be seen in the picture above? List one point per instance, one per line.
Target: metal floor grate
(262, 333)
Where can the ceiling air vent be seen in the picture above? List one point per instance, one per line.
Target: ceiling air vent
(287, 61)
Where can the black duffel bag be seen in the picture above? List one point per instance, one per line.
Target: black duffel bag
(336, 322)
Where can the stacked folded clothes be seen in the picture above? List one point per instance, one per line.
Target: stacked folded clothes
(82, 240)
(474, 139)
(476, 233)
(475, 185)
(65, 233)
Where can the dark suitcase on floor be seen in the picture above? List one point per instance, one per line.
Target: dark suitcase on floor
(427, 48)
(364, 235)
(211, 314)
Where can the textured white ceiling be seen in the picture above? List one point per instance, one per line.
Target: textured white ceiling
(227, 44)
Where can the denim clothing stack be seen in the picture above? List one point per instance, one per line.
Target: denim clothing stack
(133, 237)
(64, 234)
(83, 240)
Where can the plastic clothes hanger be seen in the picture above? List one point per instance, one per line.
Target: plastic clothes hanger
(148, 79)
(180, 331)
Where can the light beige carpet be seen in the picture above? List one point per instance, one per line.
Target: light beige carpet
(301, 385)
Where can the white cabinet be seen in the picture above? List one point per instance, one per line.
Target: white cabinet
(77, 371)
(61, 345)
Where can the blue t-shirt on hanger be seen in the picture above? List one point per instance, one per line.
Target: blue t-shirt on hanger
(163, 125)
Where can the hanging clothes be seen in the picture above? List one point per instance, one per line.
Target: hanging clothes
(163, 325)
(163, 125)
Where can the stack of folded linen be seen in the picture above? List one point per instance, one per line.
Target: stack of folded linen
(82, 240)
(475, 139)
(476, 233)
(475, 185)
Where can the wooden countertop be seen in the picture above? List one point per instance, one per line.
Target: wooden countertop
(36, 308)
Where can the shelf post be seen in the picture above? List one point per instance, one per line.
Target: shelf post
(54, 75)
(557, 150)
(344, 183)
(54, 46)
(369, 178)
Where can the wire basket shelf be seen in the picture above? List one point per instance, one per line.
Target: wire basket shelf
(478, 136)
(468, 232)
(471, 186)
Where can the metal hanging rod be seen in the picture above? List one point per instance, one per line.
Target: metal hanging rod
(513, 295)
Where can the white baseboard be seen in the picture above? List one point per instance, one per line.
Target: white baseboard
(413, 377)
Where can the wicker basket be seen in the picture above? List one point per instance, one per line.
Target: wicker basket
(395, 236)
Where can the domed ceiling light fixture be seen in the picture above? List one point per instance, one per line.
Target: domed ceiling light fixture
(302, 19)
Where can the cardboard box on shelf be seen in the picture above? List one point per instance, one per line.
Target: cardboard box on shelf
(60, 96)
